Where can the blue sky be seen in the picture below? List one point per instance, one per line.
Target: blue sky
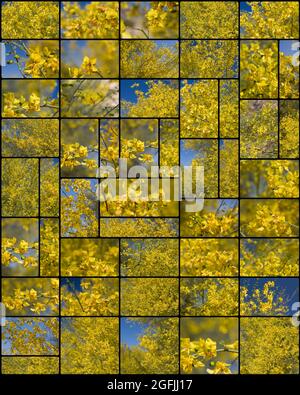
(73, 56)
(289, 286)
(285, 46)
(187, 155)
(72, 283)
(55, 92)
(11, 70)
(130, 331)
(6, 345)
(245, 7)
(165, 43)
(127, 92)
(81, 3)
(146, 5)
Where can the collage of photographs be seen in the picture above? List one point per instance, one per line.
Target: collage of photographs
(96, 283)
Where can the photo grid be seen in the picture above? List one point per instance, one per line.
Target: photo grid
(91, 286)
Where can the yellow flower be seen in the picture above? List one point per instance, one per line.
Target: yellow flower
(74, 72)
(220, 367)
(39, 307)
(91, 164)
(23, 247)
(34, 102)
(187, 364)
(6, 257)
(89, 65)
(146, 158)
(207, 348)
(30, 261)
(8, 112)
(32, 294)
(233, 346)
(156, 18)
(85, 284)
(83, 151)
(54, 282)
(8, 243)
